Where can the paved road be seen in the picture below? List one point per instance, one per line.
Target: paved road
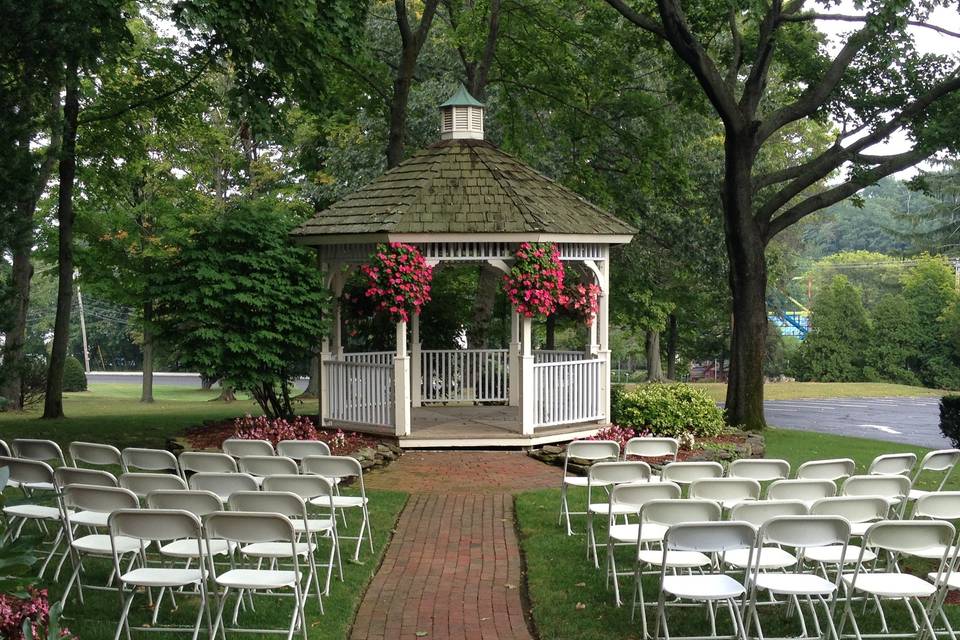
(180, 379)
(906, 420)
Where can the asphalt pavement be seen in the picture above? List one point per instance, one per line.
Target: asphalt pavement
(179, 379)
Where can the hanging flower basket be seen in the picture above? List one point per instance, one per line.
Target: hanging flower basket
(398, 280)
(535, 282)
(580, 301)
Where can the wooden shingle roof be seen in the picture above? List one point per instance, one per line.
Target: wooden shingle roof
(462, 186)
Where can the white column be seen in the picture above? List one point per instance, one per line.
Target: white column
(527, 393)
(401, 383)
(514, 355)
(602, 323)
(325, 356)
(416, 373)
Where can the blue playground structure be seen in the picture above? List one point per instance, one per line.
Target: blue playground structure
(789, 315)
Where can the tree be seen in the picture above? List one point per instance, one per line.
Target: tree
(929, 288)
(892, 353)
(833, 350)
(240, 302)
(768, 72)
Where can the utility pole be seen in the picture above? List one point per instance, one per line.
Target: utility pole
(83, 332)
(956, 271)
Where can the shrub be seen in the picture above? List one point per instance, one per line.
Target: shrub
(950, 418)
(299, 428)
(668, 410)
(74, 379)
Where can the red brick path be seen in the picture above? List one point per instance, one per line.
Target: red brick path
(453, 570)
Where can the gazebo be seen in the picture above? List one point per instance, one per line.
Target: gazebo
(464, 201)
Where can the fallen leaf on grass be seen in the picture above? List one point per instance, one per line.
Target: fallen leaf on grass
(580, 584)
(510, 586)
(581, 606)
(421, 634)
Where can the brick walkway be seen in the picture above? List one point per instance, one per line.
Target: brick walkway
(453, 570)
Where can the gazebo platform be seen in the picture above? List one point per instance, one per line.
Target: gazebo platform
(442, 427)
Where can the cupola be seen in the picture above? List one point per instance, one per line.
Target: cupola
(461, 117)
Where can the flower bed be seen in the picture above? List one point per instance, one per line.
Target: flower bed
(341, 443)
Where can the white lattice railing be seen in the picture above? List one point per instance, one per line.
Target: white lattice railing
(566, 392)
(475, 375)
(360, 392)
(373, 357)
(558, 356)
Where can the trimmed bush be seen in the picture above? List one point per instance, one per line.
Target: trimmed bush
(950, 418)
(667, 410)
(74, 379)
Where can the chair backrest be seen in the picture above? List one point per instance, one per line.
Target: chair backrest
(5, 449)
(887, 486)
(99, 499)
(239, 447)
(76, 475)
(909, 535)
(687, 472)
(676, 511)
(143, 483)
(250, 527)
(635, 495)
(939, 460)
(206, 462)
(618, 472)
(94, 453)
(300, 449)
(649, 447)
(756, 512)
(267, 465)
(39, 450)
(149, 459)
(725, 489)
(853, 508)
(801, 489)
(333, 466)
(306, 486)
(833, 469)
(28, 471)
(760, 469)
(709, 537)
(592, 450)
(155, 524)
(199, 503)
(892, 464)
(805, 531)
(283, 502)
(222, 484)
(938, 505)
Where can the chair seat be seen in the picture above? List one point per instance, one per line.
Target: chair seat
(603, 508)
(859, 529)
(160, 577)
(37, 486)
(32, 511)
(933, 553)
(795, 584)
(90, 519)
(582, 481)
(916, 494)
(675, 559)
(730, 503)
(99, 544)
(629, 532)
(273, 549)
(314, 524)
(770, 558)
(953, 578)
(256, 579)
(187, 548)
(891, 585)
(711, 587)
(830, 554)
(340, 502)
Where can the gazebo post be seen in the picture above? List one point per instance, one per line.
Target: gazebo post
(514, 364)
(602, 323)
(527, 392)
(324, 385)
(401, 383)
(416, 365)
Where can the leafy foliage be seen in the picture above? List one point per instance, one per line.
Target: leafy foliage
(667, 410)
(74, 378)
(950, 418)
(833, 351)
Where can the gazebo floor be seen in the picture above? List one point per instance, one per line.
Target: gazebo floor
(442, 427)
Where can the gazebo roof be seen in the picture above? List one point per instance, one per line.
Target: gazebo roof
(462, 186)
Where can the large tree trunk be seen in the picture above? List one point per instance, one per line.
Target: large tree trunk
(673, 339)
(654, 368)
(398, 118)
(313, 385)
(551, 338)
(146, 393)
(748, 284)
(15, 339)
(53, 401)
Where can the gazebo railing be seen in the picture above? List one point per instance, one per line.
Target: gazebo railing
(372, 357)
(360, 392)
(557, 356)
(458, 375)
(566, 392)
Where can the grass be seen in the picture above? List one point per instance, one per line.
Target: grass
(569, 599)
(815, 390)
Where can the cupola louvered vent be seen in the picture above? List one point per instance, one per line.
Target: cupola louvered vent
(461, 117)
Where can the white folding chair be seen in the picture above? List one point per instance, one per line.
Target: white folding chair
(758, 513)
(143, 483)
(605, 475)
(798, 533)
(6, 453)
(319, 492)
(712, 587)
(892, 488)
(590, 451)
(892, 464)
(77, 475)
(759, 469)
(206, 462)
(144, 527)
(262, 466)
(938, 505)
(628, 499)
(95, 454)
(238, 447)
(223, 484)
(652, 448)
(684, 473)
(137, 460)
(661, 515)
(833, 469)
(33, 473)
(806, 491)
(300, 449)
(337, 469)
(893, 538)
(941, 461)
(861, 512)
(38, 450)
(727, 492)
(248, 529)
(91, 506)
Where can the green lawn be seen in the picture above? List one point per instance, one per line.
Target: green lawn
(568, 597)
(811, 390)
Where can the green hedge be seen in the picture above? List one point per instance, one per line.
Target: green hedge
(666, 410)
(74, 379)
(950, 418)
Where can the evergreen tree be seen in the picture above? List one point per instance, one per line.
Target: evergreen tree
(834, 349)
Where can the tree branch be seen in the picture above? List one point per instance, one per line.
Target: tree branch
(806, 17)
(736, 57)
(757, 80)
(643, 21)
